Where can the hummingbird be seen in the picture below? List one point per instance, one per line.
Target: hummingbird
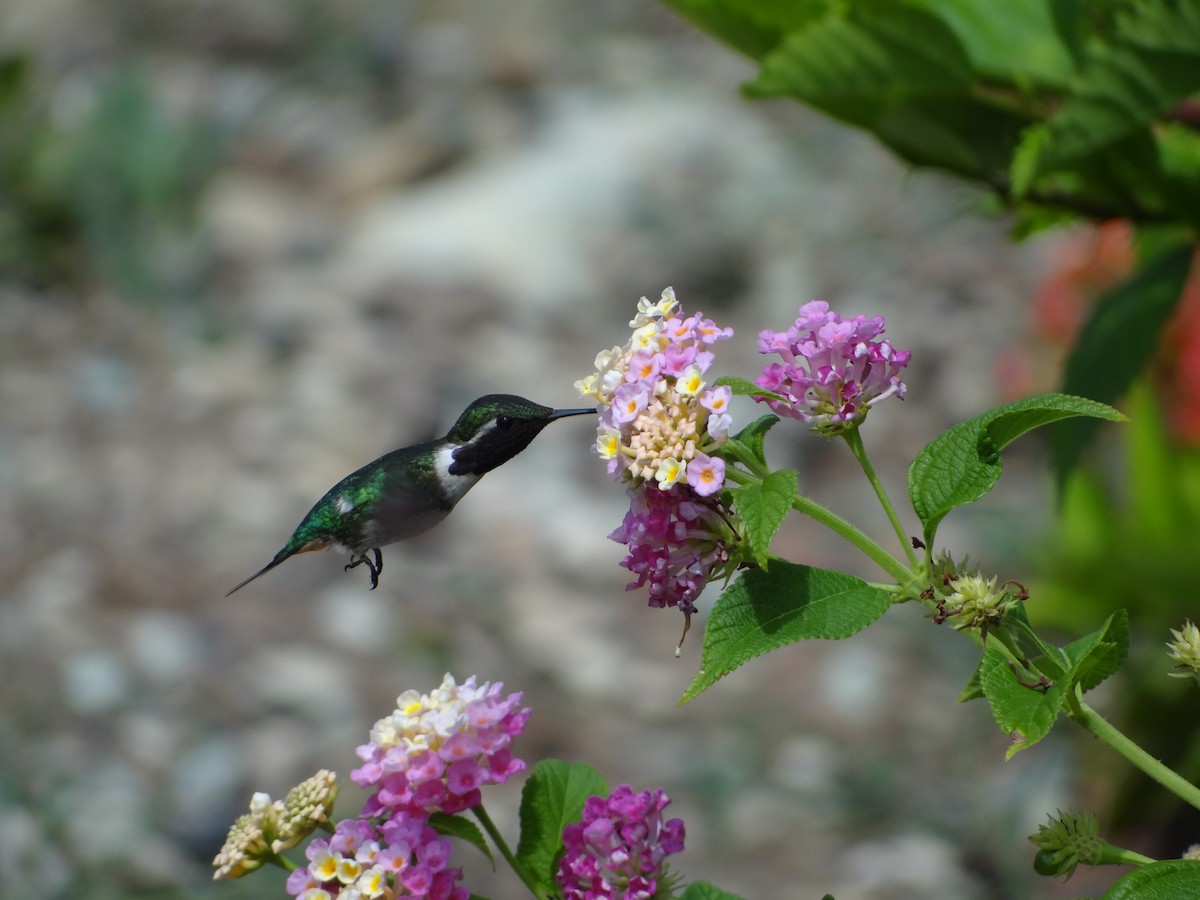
(408, 491)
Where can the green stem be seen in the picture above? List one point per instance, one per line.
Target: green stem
(836, 524)
(1106, 732)
(1112, 855)
(854, 441)
(490, 827)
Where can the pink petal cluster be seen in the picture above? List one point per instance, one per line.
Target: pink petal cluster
(833, 370)
(404, 857)
(435, 751)
(660, 426)
(618, 850)
(658, 415)
(675, 544)
(432, 754)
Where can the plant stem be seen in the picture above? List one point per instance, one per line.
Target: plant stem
(1106, 732)
(836, 524)
(854, 441)
(490, 827)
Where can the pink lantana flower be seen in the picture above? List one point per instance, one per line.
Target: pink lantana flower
(833, 369)
(619, 848)
(660, 424)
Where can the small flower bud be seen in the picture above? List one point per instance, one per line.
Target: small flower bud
(1065, 842)
(1185, 650)
(306, 806)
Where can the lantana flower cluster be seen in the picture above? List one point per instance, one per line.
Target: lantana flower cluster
(436, 750)
(432, 754)
(833, 369)
(619, 847)
(660, 421)
(403, 857)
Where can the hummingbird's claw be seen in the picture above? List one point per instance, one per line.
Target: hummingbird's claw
(374, 567)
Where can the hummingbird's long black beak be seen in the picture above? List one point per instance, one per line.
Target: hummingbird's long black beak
(563, 413)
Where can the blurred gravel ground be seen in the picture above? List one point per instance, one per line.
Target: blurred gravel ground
(417, 204)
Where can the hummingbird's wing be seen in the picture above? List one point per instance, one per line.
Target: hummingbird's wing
(410, 496)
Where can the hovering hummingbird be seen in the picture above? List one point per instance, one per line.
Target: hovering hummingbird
(410, 490)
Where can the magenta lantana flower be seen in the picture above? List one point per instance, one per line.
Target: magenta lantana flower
(660, 421)
(833, 370)
(436, 750)
(619, 848)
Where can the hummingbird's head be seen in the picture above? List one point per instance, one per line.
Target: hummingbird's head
(495, 428)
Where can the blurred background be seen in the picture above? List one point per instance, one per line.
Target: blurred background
(246, 248)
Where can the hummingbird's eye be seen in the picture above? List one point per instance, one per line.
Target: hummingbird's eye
(504, 421)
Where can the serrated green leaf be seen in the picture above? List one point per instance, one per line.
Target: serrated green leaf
(1116, 343)
(1014, 41)
(972, 690)
(902, 74)
(764, 610)
(1025, 714)
(762, 508)
(961, 465)
(1169, 879)
(702, 890)
(1128, 79)
(552, 798)
(464, 829)
(752, 28)
(1096, 656)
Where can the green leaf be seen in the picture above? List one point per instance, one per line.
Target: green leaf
(1128, 79)
(1170, 879)
(702, 890)
(764, 610)
(1117, 342)
(762, 508)
(743, 388)
(1014, 41)
(1100, 654)
(1025, 714)
(753, 28)
(961, 465)
(972, 690)
(464, 829)
(552, 798)
(750, 439)
(901, 73)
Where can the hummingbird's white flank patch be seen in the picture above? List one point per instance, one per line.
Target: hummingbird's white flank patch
(343, 504)
(454, 485)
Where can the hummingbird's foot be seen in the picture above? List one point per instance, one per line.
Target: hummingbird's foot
(374, 567)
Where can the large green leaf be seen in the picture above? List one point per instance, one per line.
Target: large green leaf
(901, 73)
(961, 465)
(552, 798)
(753, 28)
(1116, 343)
(1169, 879)
(764, 610)
(1014, 41)
(1128, 80)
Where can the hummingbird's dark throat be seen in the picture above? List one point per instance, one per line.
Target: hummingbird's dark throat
(360, 559)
